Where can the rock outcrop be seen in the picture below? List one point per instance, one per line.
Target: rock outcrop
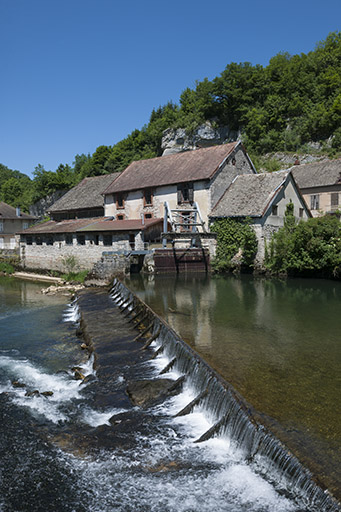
(176, 140)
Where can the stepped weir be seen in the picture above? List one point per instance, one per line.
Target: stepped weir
(228, 413)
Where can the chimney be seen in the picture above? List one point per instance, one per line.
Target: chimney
(17, 211)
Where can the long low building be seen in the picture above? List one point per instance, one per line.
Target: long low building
(49, 245)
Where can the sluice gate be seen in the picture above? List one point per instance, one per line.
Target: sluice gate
(226, 410)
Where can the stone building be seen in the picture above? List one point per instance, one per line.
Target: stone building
(180, 180)
(263, 198)
(12, 221)
(320, 184)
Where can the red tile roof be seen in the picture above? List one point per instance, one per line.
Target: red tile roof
(122, 225)
(200, 164)
(90, 225)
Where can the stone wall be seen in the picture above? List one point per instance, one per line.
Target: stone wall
(55, 256)
(111, 264)
(237, 163)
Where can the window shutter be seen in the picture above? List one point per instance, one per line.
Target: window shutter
(179, 194)
(190, 192)
(334, 196)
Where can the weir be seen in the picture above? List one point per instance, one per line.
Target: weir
(228, 413)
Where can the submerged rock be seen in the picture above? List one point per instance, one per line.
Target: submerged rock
(145, 392)
(47, 393)
(164, 467)
(79, 375)
(18, 384)
(32, 393)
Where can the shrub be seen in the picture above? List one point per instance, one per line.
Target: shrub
(78, 277)
(7, 268)
(234, 237)
(312, 247)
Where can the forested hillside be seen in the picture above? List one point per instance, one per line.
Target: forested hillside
(285, 106)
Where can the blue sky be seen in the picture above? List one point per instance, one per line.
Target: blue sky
(77, 74)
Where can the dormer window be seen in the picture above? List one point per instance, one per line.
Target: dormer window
(185, 193)
(147, 197)
(119, 201)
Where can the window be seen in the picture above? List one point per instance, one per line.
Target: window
(25, 225)
(107, 240)
(185, 193)
(29, 240)
(81, 239)
(132, 242)
(68, 239)
(49, 240)
(334, 200)
(96, 239)
(120, 217)
(119, 201)
(148, 197)
(1, 226)
(315, 202)
(274, 209)
(39, 240)
(301, 212)
(148, 215)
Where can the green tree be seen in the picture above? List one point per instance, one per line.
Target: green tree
(11, 192)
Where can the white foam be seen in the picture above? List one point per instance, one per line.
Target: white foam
(63, 388)
(159, 363)
(72, 313)
(96, 418)
(138, 480)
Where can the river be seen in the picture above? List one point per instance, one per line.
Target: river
(84, 449)
(277, 342)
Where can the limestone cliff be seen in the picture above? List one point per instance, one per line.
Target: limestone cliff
(176, 140)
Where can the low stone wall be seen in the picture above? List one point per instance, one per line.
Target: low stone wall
(55, 256)
(111, 264)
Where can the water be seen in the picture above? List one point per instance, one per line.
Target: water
(73, 452)
(278, 343)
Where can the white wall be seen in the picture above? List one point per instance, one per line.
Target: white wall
(134, 206)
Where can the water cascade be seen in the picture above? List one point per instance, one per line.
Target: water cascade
(227, 413)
